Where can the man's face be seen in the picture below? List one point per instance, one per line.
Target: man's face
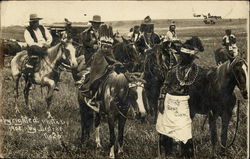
(96, 26)
(172, 27)
(34, 24)
(228, 32)
(149, 34)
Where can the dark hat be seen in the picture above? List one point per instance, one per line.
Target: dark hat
(34, 17)
(96, 19)
(147, 20)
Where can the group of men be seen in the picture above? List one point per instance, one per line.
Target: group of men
(97, 51)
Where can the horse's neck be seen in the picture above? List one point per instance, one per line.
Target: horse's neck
(54, 53)
(225, 78)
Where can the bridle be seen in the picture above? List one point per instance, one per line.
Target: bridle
(234, 74)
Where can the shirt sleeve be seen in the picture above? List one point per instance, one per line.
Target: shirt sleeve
(28, 39)
(169, 36)
(48, 36)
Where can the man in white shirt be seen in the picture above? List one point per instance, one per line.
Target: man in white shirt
(170, 37)
(38, 40)
(229, 41)
(171, 34)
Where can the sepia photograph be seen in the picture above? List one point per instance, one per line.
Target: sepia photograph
(124, 79)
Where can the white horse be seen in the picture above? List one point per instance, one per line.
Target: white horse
(63, 51)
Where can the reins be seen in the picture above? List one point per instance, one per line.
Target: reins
(236, 127)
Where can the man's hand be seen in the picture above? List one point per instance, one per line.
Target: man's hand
(161, 105)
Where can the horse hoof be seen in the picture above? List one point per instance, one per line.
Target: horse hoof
(112, 152)
(98, 146)
(17, 110)
(49, 115)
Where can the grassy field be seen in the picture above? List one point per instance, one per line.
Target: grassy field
(29, 135)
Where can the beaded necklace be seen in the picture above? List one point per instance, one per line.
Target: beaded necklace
(187, 78)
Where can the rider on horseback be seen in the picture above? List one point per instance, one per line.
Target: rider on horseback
(170, 38)
(148, 38)
(229, 42)
(38, 40)
(103, 62)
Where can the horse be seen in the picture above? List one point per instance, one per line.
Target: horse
(126, 53)
(117, 95)
(212, 94)
(221, 55)
(153, 74)
(46, 73)
(11, 46)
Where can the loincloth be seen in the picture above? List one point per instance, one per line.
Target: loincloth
(175, 121)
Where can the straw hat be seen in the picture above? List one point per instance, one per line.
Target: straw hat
(34, 17)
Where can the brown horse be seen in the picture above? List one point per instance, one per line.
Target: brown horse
(117, 95)
(45, 75)
(213, 94)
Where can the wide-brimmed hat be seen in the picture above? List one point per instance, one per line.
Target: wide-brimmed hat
(34, 17)
(96, 19)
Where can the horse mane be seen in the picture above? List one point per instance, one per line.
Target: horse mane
(119, 81)
(52, 50)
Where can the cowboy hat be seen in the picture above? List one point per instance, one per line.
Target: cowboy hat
(96, 19)
(34, 17)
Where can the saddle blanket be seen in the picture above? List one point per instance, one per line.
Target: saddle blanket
(175, 121)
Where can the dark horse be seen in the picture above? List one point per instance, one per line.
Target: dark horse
(213, 94)
(117, 95)
(125, 52)
(156, 65)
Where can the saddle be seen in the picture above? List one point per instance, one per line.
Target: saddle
(32, 64)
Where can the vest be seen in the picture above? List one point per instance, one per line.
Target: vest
(33, 35)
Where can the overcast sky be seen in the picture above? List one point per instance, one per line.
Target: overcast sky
(17, 12)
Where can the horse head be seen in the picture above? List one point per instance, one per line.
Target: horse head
(126, 53)
(136, 94)
(68, 53)
(239, 68)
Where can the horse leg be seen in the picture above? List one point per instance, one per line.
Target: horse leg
(17, 94)
(26, 93)
(86, 118)
(51, 85)
(112, 137)
(121, 125)
(213, 131)
(97, 126)
(225, 122)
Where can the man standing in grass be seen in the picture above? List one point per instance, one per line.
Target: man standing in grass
(174, 122)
